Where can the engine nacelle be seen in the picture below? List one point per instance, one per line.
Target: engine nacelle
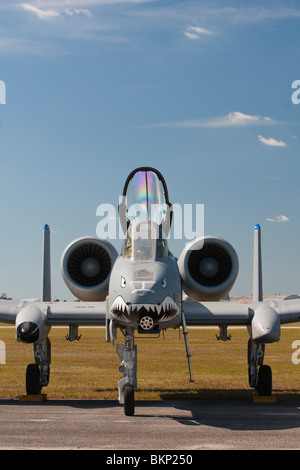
(86, 265)
(208, 267)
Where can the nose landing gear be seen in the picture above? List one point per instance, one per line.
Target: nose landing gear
(128, 392)
(128, 355)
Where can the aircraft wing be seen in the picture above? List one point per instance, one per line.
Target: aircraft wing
(9, 310)
(196, 313)
(288, 310)
(238, 313)
(56, 313)
(80, 313)
(216, 313)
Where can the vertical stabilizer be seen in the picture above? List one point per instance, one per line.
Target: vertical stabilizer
(46, 267)
(257, 266)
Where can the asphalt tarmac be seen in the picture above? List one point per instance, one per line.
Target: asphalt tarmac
(157, 425)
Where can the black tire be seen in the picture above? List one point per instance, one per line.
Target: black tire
(128, 400)
(264, 382)
(33, 386)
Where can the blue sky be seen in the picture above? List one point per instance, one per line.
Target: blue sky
(200, 90)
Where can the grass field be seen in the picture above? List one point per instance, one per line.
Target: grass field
(88, 368)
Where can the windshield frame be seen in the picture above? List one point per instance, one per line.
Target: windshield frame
(147, 201)
(145, 241)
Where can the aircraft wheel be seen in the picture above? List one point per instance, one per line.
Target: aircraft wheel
(264, 382)
(128, 400)
(33, 386)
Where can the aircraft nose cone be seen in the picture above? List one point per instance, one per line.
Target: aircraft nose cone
(28, 332)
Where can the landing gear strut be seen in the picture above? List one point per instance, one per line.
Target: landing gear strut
(260, 376)
(128, 355)
(37, 375)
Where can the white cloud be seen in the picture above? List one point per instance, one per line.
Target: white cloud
(195, 32)
(78, 11)
(239, 119)
(271, 142)
(42, 14)
(279, 218)
(234, 119)
(191, 35)
(61, 5)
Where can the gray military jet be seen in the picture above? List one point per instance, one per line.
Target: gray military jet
(141, 291)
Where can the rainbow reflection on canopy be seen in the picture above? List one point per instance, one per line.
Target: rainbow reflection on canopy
(145, 198)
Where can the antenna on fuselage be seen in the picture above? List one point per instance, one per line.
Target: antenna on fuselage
(46, 265)
(257, 266)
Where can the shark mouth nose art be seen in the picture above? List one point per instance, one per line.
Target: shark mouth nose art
(159, 312)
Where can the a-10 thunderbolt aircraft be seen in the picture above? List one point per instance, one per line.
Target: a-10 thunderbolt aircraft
(141, 291)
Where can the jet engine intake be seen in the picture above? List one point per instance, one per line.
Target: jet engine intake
(208, 267)
(86, 265)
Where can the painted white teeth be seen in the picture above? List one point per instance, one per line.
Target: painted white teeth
(166, 310)
(119, 305)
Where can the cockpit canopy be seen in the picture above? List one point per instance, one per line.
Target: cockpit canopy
(145, 241)
(145, 198)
